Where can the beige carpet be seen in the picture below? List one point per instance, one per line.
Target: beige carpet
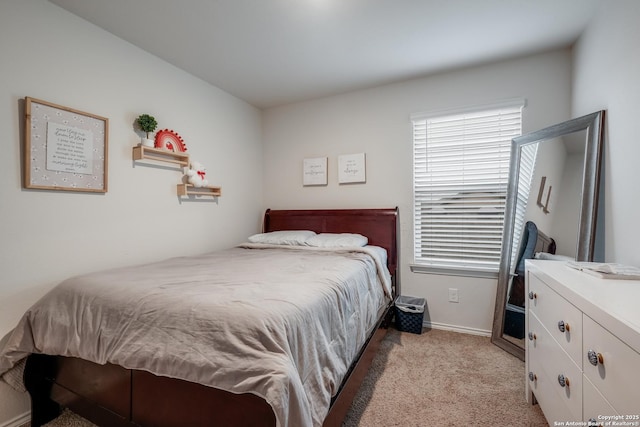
(438, 378)
(443, 378)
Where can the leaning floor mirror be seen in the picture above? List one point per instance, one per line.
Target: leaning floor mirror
(551, 209)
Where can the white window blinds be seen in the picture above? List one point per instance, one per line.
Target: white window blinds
(528, 154)
(461, 172)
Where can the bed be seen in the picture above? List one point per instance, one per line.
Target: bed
(173, 393)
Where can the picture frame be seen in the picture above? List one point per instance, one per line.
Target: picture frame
(314, 171)
(545, 206)
(64, 149)
(352, 168)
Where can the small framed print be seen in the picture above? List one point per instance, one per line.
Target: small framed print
(65, 149)
(351, 168)
(314, 171)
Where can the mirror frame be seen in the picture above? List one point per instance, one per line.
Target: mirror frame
(594, 125)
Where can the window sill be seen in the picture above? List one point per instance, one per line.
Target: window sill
(423, 269)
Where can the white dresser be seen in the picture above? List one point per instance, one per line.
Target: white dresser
(582, 346)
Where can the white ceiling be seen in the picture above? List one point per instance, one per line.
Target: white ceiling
(272, 52)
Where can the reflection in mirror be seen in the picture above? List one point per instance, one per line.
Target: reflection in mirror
(550, 213)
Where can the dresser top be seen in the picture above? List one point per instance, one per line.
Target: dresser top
(614, 304)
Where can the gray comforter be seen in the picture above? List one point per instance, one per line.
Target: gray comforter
(280, 322)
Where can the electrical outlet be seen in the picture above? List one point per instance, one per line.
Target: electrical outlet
(453, 295)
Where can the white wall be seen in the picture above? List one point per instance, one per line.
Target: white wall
(563, 171)
(550, 159)
(47, 236)
(607, 76)
(568, 202)
(376, 121)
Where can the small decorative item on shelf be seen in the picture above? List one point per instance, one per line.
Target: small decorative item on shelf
(147, 124)
(196, 175)
(170, 140)
(195, 183)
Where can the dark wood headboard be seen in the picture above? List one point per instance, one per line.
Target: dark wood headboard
(379, 225)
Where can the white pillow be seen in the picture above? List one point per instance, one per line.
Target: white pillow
(284, 237)
(337, 240)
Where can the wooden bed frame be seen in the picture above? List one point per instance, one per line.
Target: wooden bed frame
(110, 395)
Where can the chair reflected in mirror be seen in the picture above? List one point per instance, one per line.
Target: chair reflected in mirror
(533, 241)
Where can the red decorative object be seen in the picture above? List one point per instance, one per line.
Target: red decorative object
(170, 140)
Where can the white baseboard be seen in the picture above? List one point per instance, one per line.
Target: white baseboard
(455, 328)
(19, 421)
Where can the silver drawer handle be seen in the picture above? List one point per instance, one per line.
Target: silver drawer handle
(533, 295)
(532, 336)
(563, 381)
(563, 326)
(532, 376)
(595, 358)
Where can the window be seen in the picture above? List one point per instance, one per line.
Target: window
(461, 173)
(528, 154)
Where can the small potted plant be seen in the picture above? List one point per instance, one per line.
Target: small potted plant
(147, 124)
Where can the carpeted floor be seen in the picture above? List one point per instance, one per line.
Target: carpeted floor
(442, 378)
(438, 378)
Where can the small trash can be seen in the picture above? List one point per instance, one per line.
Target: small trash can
(409, 314)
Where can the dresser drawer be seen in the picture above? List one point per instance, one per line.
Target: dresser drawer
(545, 389)
(551, 309)
(548, 361)
(554, 409)
(595, 405)
(618, 377)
